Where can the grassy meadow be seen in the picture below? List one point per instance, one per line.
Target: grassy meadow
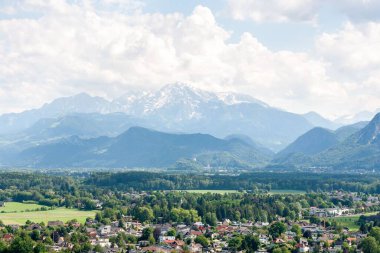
(286, 192)
(349, 221)
(19, 213)
(12, 207)
(211, 191)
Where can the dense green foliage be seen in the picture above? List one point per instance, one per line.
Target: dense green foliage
(111, 189)
(246, 181)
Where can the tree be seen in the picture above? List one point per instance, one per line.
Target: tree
(48, 240)
(86, 247)
(307, 234)
(3, 246)
(201, 239)
(297, 229)
(146, 233)
(121, 224)
(120, 241)
(182, 215)
(88, 204)
(98, 248)
(144, 214)
(369, 245)
(151, 240)
(315, 220)
(98, 216)
(40, 248)
(276, 229)
(345, 246)
(235, 243)
(171, 232)
(250, 243)
(77, 248)
(21, 244)
(210, 218)
(35, 235)
(375, 233)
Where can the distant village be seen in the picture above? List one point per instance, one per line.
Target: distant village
(301, 236)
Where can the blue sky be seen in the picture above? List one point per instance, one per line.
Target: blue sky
(298, 55)
(276, 36)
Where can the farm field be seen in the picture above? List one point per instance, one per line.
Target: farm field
(349, 221)
(17, 214)
(211, 191)
(286, 192)
(11, 207)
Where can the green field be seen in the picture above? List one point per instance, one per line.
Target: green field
(16, 214)
(286, 192)
(12, 207)
(211, 191)
(349, 221)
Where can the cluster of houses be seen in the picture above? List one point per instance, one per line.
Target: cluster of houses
(330, 212)
(313, 238)
(360, 202)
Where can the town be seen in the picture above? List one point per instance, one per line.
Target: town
(312, 229)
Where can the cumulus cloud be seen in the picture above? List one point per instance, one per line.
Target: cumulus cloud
(354, 48)
(74, 47)
(353, 55)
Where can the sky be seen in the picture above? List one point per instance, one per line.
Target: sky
(298, 55)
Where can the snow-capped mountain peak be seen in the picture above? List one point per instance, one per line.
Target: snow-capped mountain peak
(231, 98)
(182, 100)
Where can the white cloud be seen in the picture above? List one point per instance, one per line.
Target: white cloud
(353, 55)
(354, 48)
(275, 10)
(72, 48)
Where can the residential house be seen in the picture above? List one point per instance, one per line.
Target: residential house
(55, 223)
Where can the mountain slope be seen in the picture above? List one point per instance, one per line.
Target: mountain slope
(81, 103)
(370, 135)
(360, 150)
(344, 132)
(85, 125)
(317, 120)
(137, 147)
(314, 141)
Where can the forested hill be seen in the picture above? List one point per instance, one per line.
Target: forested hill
(246, 181)
(141, 147)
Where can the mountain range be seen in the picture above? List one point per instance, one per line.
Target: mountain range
(176, 108)
(231, 130)
(142, 147)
